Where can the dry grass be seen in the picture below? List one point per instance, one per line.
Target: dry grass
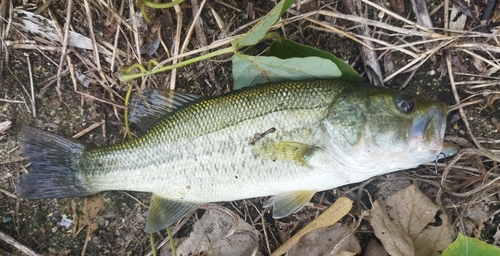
(467, 59)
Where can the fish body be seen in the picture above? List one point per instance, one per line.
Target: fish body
(286, 140)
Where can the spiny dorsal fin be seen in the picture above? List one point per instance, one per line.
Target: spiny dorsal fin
(286, 150)
(287, 203)
(149, 106)
(164, 212)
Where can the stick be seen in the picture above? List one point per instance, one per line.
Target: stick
(177, 42)
(87, 130)
(457, 99)
(65, 42)
(32, 87)
(17, 245)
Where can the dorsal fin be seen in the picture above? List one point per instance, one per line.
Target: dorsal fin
(150, 106)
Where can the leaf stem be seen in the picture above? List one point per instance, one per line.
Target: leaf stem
(127, 76)
(153, 247)
(127, 99)
(172, 242)
(159, 6)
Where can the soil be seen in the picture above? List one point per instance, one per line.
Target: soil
(117, 229)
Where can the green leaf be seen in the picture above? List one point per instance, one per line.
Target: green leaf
(260, 29)
(470, 246)
(251, 70)
(285, 49)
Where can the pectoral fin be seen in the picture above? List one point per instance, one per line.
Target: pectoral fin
(290, 202)
(286, 150)
(164, 212)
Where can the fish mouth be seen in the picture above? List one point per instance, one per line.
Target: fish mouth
(427, 131)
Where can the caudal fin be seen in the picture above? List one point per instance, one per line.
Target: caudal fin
(53, 172)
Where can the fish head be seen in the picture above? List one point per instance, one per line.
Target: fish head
(380, 130)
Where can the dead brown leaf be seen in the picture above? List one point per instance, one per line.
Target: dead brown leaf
(408, 223)
(335, 240)
(374, 248)
(214, 234)
(89, 214)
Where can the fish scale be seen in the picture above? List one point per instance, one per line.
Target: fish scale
(286, 140)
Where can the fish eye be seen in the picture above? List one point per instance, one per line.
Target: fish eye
(405, 103)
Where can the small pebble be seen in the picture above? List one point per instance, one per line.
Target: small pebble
(101, 222)
(65, 222)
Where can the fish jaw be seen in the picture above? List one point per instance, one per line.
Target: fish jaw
(427, 132)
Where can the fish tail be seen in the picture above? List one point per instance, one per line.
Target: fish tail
(54, 171)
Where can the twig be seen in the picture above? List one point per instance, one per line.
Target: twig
(213, 45)
(61, 36)
(472, 151)
(101, 100)
(35, 47)
(87, 239)
(65, 42)
(72, 72)
(87, 130)
(195, 23)
(32, 87)
(263, 221)
(457, 99)
(481, 58)
(177, 42)
(385, 10)
(11, 101)
(369, 56)
(7, 192)
(135, 30)
(43, 7)
(117, 35)
(94, 45)
(423, 18)
(9, 240)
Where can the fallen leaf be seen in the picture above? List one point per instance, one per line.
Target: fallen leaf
(471, 246)
(457, 22)
(257, 32)
(4, 126)
(219, 233)
(250, 70)
(89, 214)
(398, 6)
(329, 217)
(39, 25)
(497, 236)
(476, 214)
(374, 248)
(287, 49)
(335, 240)
(408, 223)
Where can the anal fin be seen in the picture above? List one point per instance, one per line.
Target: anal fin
(287, 203)
(291, 151)
(164, 212)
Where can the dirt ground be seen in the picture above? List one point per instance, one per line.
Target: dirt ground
(112, 223)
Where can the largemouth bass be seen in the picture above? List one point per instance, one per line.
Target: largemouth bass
(287, 140)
